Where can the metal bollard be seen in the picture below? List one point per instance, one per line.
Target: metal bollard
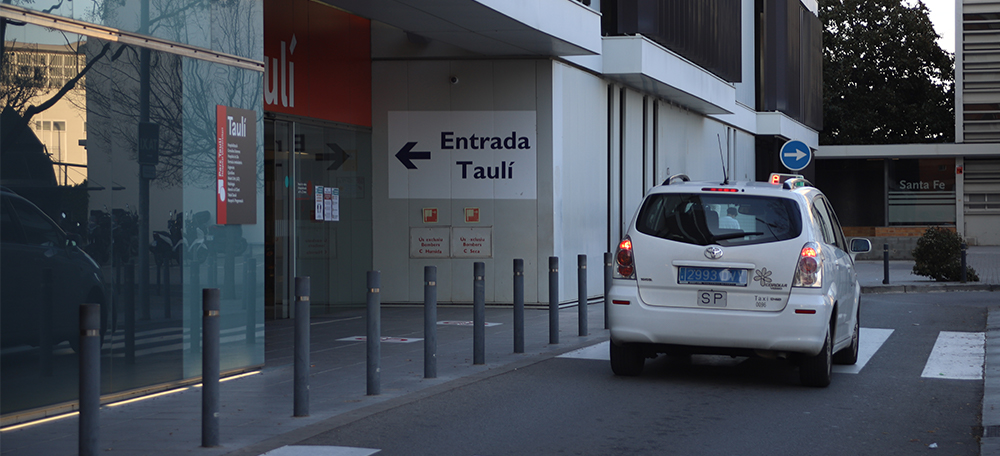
(301, 380)
(885, 264)
(166, 294)
(478, 313)
(965, 265)
(210, 368)
(608, 264)
(250, 289)
(581, 293)
(130, 314)
(553, 300)
(518, 305)
(430, 321)
(374, 337)
(90, 379)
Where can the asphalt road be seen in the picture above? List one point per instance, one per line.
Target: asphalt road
(898, 403)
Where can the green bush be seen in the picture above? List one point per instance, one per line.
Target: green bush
(939, 256)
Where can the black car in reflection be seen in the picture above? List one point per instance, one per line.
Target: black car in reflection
(44, 277)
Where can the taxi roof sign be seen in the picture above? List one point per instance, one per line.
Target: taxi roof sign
(779, 178)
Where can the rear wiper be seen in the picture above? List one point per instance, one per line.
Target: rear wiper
(735, 235)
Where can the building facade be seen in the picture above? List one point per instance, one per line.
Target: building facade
(921, 185)
(241, 145)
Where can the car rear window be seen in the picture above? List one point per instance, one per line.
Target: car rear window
(723, 219)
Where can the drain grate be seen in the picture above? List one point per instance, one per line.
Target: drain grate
(991, 431)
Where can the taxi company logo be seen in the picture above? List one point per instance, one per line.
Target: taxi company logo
(763, 276)
(713, 252)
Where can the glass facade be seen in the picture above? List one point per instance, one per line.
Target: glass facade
(921, 191)
(109, 170)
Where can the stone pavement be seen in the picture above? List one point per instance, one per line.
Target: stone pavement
(256, 410)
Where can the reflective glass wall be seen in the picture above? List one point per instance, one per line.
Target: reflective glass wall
(111, 183)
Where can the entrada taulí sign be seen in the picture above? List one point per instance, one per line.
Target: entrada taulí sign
(462, 154)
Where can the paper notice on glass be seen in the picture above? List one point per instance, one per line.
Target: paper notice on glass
(319, 203)
(336, 205)
(328, 204)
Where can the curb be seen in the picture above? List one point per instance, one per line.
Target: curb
(929, 288)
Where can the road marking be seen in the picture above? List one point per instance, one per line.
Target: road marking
(464, 323)
(600, 352)
(391, 340)
(871, 340)
(316, 450)
(957, 356)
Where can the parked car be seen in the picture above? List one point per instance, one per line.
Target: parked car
(778, 281)
(45, 277)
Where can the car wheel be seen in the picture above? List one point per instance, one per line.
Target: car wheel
(816, 370)
(849, 355)
(626, 360)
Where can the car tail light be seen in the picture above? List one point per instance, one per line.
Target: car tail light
(809, 270)
(624, 266)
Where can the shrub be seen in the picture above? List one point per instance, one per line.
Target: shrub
(939, 256)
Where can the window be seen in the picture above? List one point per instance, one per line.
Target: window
(982, 201)
(701, 219)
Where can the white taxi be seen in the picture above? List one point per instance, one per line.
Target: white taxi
(743, 269)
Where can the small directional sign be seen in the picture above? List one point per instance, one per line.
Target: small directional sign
(406, 153)
(795, 155)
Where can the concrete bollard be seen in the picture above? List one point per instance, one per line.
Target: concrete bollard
(430, 321)
(210, 368)
(90, 379)
(518, 305)
(553, 300)
(581, 293)
(374, 334)
(479, 313)
(608, 265)
(302, 319)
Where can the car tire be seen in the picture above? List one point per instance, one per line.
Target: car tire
(849, 355)
(816, 370)
(626, 360)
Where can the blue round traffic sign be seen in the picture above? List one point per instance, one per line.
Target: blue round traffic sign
(795, 155)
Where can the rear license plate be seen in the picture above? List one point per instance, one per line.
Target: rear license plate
(711, 298)
(712, 276)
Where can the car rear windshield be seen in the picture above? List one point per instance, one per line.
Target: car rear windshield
(723, 219)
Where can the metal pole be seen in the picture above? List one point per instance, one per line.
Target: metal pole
(581, 292)
(608, 265)
(210, 368)
(885, 264)
(553, 300)
(518, 305)
(374, 338)
(964, 263)
(301, 386)
(166, 295)
(478, 313)
(430, 321)
(90, 379)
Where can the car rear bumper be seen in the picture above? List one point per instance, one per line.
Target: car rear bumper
(799, 328)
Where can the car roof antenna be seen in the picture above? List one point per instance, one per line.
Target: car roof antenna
(725, 174)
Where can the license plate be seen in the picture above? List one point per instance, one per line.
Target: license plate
(712, 276)
(711, 298)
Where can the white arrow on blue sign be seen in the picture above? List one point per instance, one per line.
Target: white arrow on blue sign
(795, 155)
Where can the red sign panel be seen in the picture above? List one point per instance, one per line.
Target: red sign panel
(317, 62)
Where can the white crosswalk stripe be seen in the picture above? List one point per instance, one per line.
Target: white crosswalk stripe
(317, 450)
(956, 355)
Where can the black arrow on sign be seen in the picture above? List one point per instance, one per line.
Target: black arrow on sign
(405, 155)
(338, 157)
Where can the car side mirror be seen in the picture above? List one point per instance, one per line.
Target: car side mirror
(861, 245)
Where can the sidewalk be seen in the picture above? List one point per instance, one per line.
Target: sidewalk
(984, 259)
(256, 410)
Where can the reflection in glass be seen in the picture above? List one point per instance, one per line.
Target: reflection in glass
(78, 228)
